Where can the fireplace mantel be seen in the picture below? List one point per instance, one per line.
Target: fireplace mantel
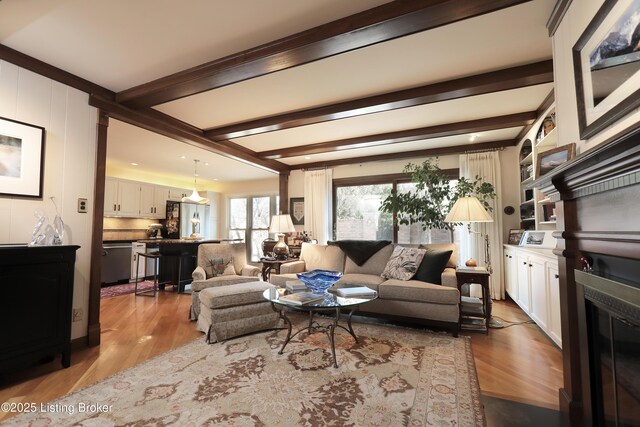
(597, 197)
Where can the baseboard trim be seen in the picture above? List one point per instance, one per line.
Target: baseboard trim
(79, 343)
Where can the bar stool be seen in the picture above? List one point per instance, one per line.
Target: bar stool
(156, 257)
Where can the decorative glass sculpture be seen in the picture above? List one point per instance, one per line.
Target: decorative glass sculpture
(58, 226)
(38, 236)
(319, 280)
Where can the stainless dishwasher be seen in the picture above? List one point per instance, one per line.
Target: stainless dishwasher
(116, 263)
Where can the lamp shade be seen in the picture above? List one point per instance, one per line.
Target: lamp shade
(281, 224)
(468, 209)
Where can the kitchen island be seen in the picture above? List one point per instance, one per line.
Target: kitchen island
(179, 258)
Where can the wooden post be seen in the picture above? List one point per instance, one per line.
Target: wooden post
(93, 332)
(284, 193)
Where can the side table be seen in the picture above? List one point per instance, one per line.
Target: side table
(470, 310)
(269, 265)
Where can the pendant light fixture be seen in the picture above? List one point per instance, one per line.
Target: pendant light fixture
(195, 196)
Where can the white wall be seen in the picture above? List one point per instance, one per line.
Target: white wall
(574, 23)
(69, 172)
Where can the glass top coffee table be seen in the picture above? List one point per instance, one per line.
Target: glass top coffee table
(330, 304)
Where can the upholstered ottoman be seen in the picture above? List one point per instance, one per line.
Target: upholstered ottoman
(234, 310)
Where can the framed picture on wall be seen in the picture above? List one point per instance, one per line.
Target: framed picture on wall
(21, 158)
(296, 210)
(606, 65)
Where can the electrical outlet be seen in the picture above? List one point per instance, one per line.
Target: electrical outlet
(76, 315)
(82, 205)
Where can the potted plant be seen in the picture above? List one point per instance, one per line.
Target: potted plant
(434, 196)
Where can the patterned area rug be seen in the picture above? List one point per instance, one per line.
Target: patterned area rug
(127, 288)
(392, 377)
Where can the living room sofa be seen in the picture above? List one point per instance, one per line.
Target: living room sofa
(234, 259)
(433, 304)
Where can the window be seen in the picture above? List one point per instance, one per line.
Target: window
(249, 219)
(356, 216)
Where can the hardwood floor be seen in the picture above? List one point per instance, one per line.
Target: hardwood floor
(518, 363)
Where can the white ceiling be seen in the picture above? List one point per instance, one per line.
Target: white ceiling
(119, 44)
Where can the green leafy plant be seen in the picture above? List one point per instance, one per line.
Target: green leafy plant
(434, 197)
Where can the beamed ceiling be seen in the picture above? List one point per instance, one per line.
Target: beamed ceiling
(255, 88)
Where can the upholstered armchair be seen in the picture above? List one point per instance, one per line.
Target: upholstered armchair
(219, 264)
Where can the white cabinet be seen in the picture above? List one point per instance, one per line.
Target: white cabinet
(121, 198)
(531, 280)
(147, 200)
(134, 199)
(161, 195)
(524, 291)
(553, 279)
(110, 197)
(538, 286)
(510, 272)
(178, 193)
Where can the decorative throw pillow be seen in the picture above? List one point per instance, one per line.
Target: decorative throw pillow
(220, 267)
(432, 266)
(403, 263)
(229, 269)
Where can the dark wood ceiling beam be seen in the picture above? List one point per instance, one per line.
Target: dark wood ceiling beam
(380, 24)
(506, 79)
(431, 152)
(39, 67)
(439, 131)
(168, 126)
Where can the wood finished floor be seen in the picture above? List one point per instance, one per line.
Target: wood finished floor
(518, 363)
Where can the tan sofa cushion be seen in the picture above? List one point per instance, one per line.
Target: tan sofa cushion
(353, 280)
(198, 285)
(453, 261)
(234, 295)
(280, 280)
(321, 257)
(414, 290)
(374, 265)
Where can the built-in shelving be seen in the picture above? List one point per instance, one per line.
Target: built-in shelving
(536, 210)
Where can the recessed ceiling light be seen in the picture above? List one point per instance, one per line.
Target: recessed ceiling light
(215, 179)
(473, 137)
(183, 157)
(307, 157)
(206, 164)
(134, 164)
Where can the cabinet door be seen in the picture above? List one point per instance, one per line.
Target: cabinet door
(110, 197)
(555, 329)
(147, 200)
(178, 193)
(538, 284)
(510, 273)
(523, 282)
(162, 194)
(129, 199)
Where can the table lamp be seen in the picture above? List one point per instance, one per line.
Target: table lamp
(281, 224)
(469, 209)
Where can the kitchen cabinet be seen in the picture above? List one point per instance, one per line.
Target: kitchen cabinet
(132, 199)
(121, 198)
(531, 280)
(178, 193)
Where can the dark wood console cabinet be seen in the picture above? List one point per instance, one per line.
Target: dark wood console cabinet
(36, 284)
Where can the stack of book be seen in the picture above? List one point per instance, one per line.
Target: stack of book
(296, 286)
(301, 298)
(360, 291)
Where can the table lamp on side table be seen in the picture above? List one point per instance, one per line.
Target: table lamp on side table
(281, 224)
(468, 210)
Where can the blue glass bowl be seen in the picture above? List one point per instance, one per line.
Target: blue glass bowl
(319, 280)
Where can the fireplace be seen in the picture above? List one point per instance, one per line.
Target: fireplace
(612, 331)
(597, 197)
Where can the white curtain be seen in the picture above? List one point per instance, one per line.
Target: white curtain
(487, 166)
(317, 204)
